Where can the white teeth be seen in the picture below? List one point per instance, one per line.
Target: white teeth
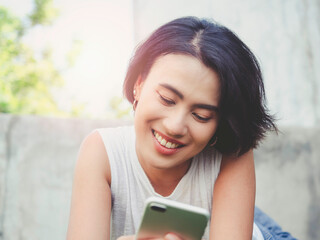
(164, 142)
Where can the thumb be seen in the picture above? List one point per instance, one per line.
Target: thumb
(172, 236)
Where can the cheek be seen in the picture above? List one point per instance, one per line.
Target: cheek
(147, 109)
(149, 103)
(203, 134)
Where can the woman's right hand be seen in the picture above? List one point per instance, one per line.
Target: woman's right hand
(168, 236)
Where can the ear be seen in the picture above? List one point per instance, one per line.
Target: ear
(137, 88)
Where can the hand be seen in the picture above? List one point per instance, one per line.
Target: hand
(168, 236)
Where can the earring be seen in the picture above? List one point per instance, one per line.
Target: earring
(214, 142)
(134, 104)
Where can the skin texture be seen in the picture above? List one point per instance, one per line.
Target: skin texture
(174, 116)
(91, 195)
(178, 100)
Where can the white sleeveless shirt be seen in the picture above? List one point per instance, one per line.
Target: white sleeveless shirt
(130, 186)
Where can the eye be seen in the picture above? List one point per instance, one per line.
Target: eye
(165, 100)
(201, 118)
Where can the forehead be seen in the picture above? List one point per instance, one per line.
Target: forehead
(176, 61)
(182, 63)
(185, 73)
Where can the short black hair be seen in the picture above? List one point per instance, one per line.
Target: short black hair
(243, 115)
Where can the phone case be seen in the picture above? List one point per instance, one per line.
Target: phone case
(162, 216)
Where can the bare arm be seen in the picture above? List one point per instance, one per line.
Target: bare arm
(234, 199)
(91, 195)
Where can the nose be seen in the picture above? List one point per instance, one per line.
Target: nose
(175, 124)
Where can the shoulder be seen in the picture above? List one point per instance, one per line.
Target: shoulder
(91, 194)
(243, 161)
(116, 134)
(234, 198)
(100, 147)
(93, 143)
(93, 157)
(237, 172)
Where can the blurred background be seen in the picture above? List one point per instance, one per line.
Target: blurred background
(62, 64)
(69, 57)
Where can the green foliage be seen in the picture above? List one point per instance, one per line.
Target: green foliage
(74, 52)
(119, 108)
(27, 78)
(44, 13)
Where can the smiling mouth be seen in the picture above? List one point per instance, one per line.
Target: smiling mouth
(165, 142)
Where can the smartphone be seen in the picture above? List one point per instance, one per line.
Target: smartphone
(162, 216)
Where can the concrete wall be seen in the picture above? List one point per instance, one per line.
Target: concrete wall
(37, 156)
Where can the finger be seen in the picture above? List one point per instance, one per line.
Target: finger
(172, 236)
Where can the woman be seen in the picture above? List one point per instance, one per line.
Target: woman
(198, 97)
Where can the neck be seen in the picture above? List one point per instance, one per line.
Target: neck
(164, 181)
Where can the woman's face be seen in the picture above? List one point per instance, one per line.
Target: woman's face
(176, 114)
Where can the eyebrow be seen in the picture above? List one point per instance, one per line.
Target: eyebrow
(180, 95)
(169, 87)
(208, 107)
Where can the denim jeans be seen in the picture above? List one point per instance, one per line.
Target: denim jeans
(269, 228)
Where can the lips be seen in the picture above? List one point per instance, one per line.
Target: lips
(166, 142)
